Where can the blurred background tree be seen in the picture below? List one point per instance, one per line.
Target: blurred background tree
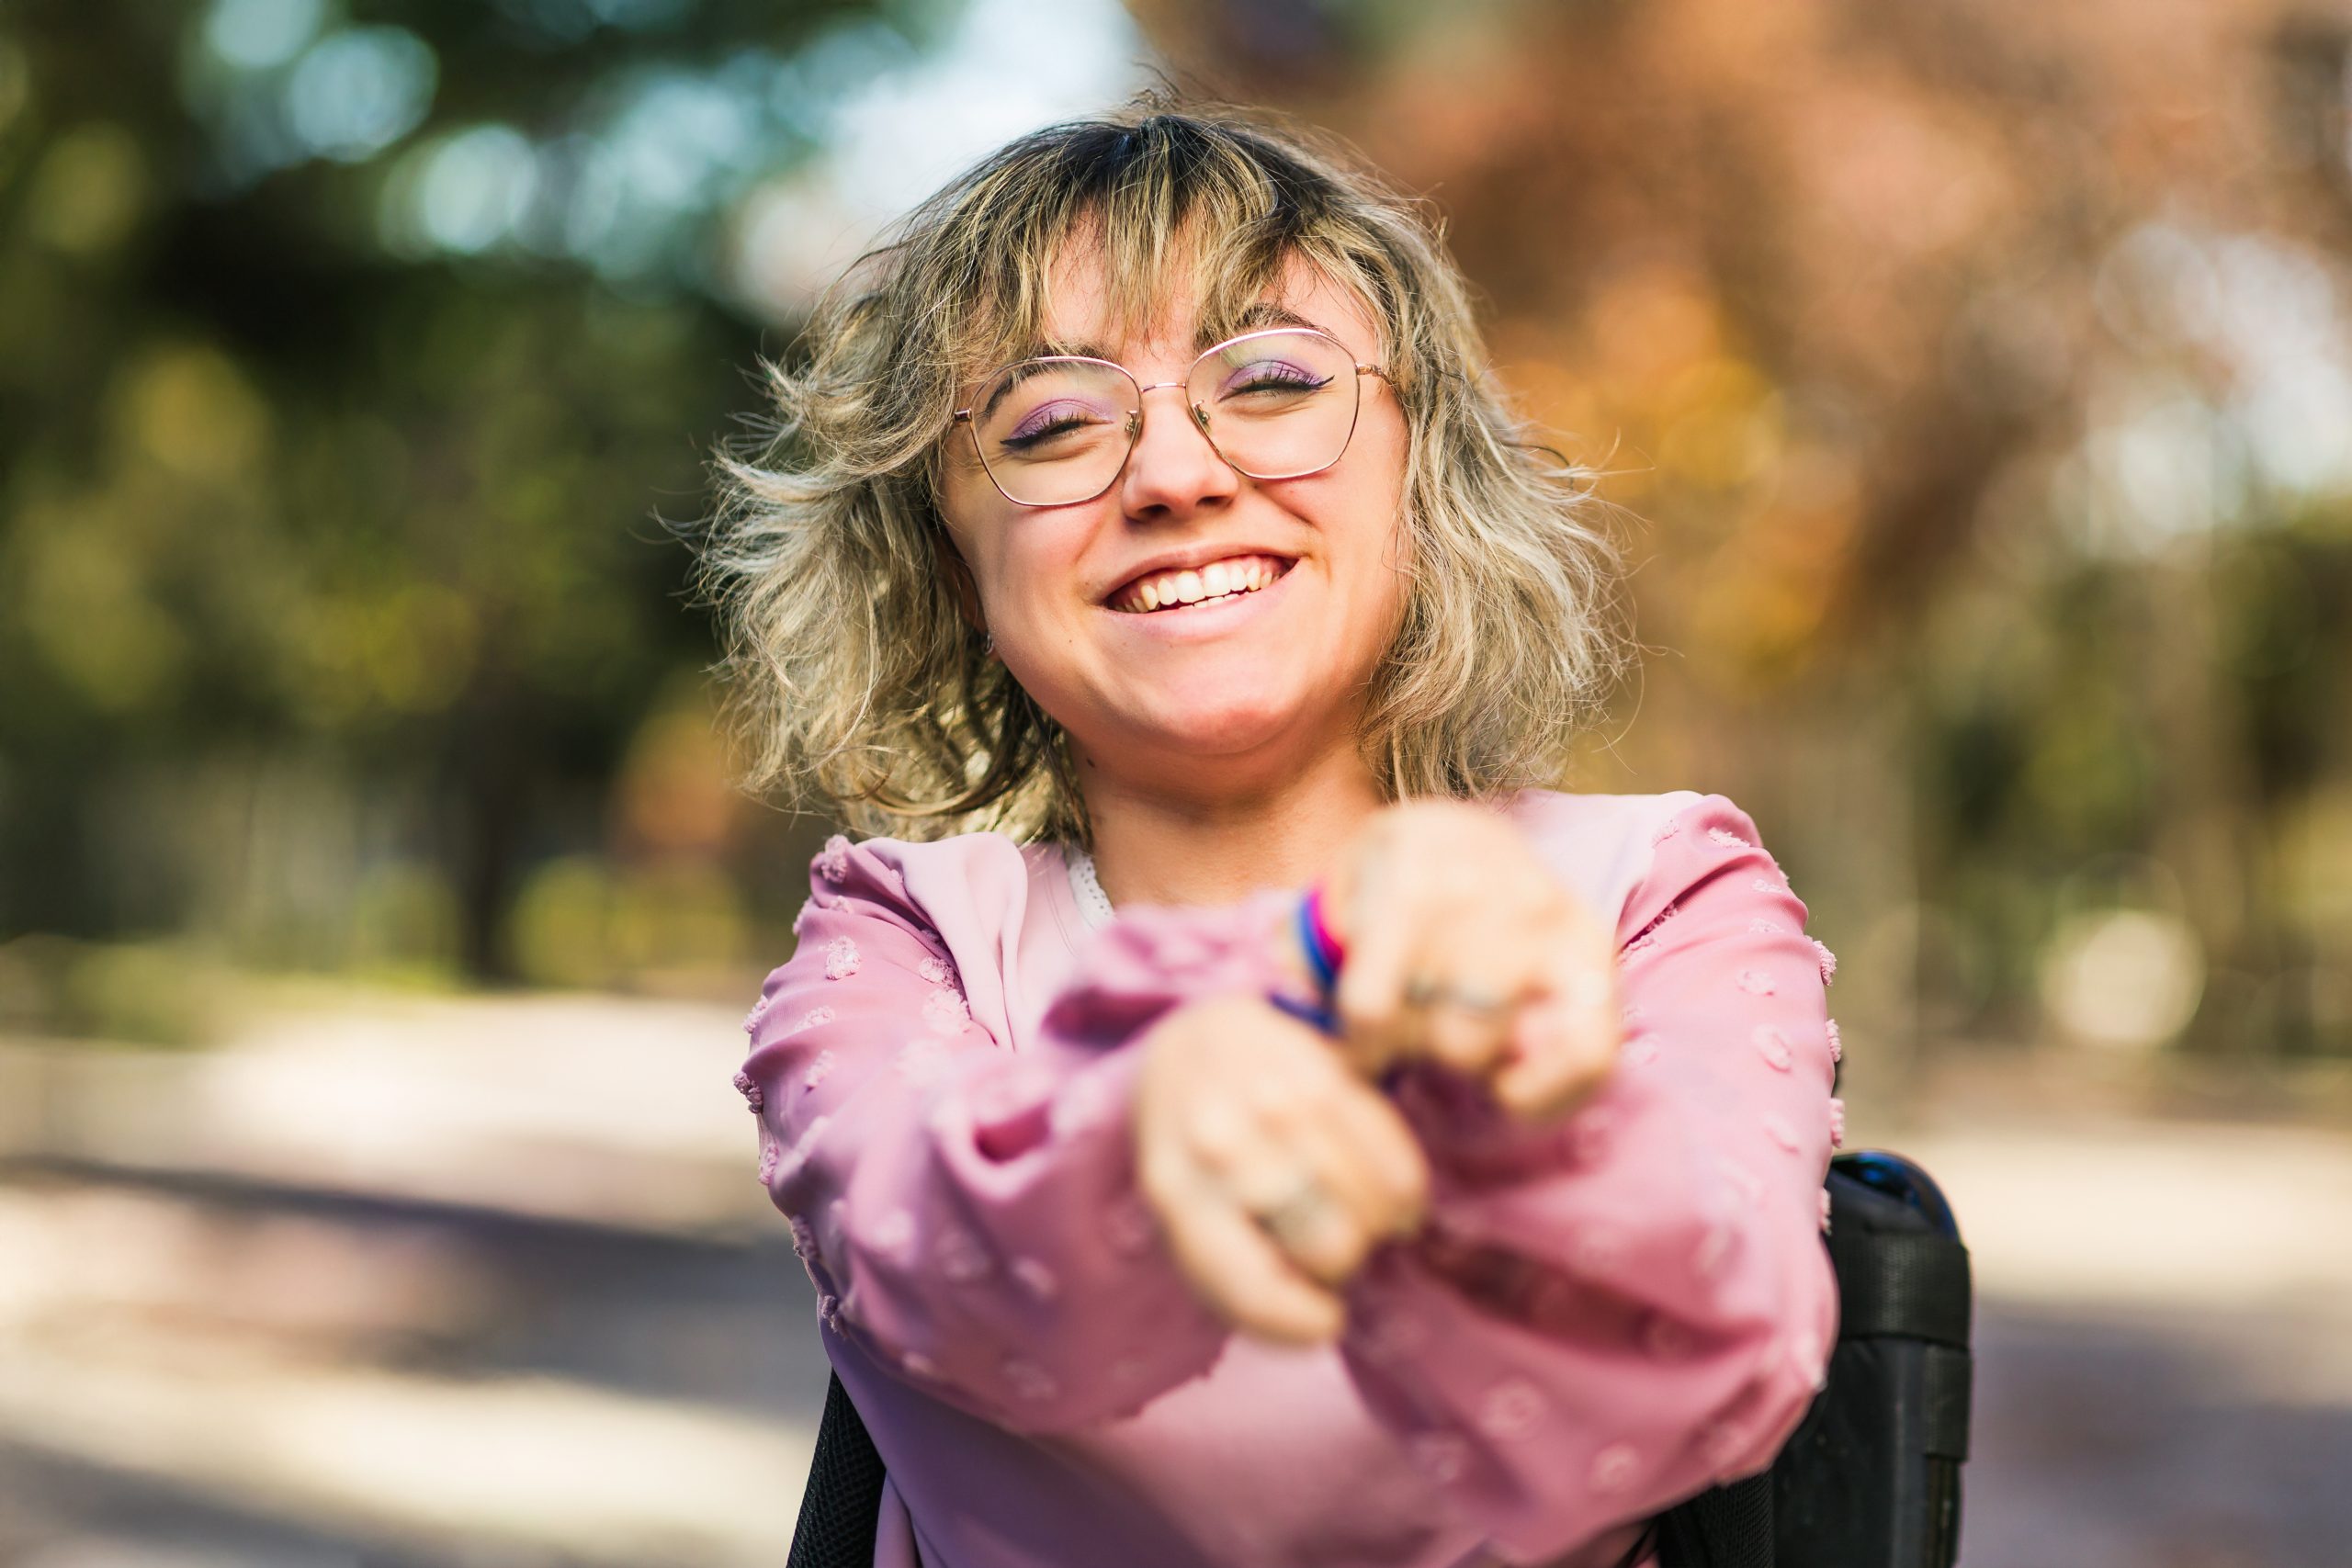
(1976, 380)
(351, 357)
(1981, 376)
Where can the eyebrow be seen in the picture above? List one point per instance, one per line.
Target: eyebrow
(1265, 313)
(1022, 370)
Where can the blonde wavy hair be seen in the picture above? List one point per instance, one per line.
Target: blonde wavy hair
(860, 687)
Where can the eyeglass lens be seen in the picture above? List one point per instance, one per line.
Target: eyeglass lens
(1275, 405)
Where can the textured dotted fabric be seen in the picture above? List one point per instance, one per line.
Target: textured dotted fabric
(1603, 1316)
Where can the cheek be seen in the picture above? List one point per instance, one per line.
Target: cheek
(966, 500)
(986, 527)
(1395, 449)
(1382, 549)
(1024, 563)
(1375, 498)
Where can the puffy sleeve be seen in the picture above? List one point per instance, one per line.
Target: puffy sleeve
(967, 1206)
(1610, 1313)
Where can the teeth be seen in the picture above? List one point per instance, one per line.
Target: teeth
(1224, 579)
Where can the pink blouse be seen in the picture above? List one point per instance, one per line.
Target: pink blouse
(1603, 1316)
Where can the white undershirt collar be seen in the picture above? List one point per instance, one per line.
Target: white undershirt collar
(1093, 904)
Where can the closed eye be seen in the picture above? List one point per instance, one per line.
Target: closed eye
(1272, 376)
(1042, 424)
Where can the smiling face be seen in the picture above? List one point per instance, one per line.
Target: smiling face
(1191, 616)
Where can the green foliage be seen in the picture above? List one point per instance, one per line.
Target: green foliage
(135, 993)
(285, 475)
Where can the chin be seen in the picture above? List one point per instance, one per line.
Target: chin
(1231, 724)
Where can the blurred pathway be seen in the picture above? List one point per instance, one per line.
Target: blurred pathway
(420, 1281)
(488, 1282)
(2163, 1343)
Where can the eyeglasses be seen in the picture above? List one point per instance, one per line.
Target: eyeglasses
(1056, 430)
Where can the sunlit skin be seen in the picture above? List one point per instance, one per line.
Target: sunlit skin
(1218, 753)
(1215, 758)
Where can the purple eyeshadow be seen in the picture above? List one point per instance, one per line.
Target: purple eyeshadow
(1276, 369)
(1046, 414)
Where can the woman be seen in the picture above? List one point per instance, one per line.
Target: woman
(1244, 1117)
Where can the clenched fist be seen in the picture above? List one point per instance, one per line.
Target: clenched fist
(1272, 1167)
(1463, 949)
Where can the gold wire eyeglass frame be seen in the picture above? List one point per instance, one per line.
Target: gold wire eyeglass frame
(1200, 414)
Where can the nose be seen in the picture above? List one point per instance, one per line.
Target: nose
(1173, 470)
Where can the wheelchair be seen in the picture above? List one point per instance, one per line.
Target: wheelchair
(1869, 1479)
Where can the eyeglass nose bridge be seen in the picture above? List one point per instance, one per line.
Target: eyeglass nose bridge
(1200, 415)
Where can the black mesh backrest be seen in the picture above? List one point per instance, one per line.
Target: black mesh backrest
(1723, 1527)
(843, 1502)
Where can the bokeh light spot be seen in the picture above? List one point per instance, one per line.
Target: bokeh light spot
(2125, 979)
(88, 190)
(475, 188)
(257, 34)
(359, 91)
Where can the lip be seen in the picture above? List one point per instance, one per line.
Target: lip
(1193, 560)
(1195, 622)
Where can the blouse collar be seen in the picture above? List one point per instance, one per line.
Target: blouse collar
(1093, 904)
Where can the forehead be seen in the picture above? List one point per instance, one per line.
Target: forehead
(1082, 308)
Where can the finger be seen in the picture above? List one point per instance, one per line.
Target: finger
(1216, 1132)
(1365, 1055)
(1486, 974)
(1584, 982)
(1231, 1266)
(1470, 1026)
(1564, 1044)
(1360, 1054)
(1345, 1132)
(1468, 1039)
(1257, 1143)
(1244, 1278)
(1552, 1066)
(1347, 1209)
(1382, 1143)
(1380, 931)
(1404, 1034)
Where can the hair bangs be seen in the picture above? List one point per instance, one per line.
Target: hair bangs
(1168, 207)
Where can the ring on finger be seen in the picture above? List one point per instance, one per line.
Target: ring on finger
(1298, 1213)
(1423, 992)
(1476, 999)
